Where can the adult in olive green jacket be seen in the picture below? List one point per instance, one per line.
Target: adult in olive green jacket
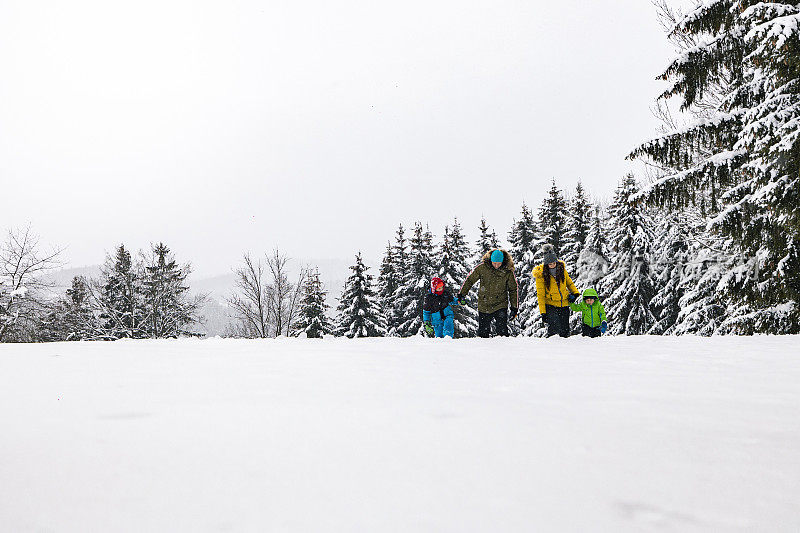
(498, 289)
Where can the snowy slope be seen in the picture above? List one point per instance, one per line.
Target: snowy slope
(615, 434)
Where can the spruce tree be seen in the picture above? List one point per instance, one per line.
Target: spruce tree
(429, 252)
(671, 255)
(578, 221)
(79, 318)
(392, 303)
(579, 218)
(523, 243)
(494, 241)
(312, 320)
(70, 318)
(552, 221)
(593, 262)
(388, 282)
(629, 287)
(703, 309)
(359, 313)
(169, 309)
(121, 301)
(419, 270)
(454, 267)
(487, 240)
(742, 160)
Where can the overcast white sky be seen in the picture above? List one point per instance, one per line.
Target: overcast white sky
(219, 127)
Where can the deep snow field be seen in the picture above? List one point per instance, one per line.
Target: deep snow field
(497, 435)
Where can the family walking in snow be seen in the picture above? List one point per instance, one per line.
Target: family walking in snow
(499, 291)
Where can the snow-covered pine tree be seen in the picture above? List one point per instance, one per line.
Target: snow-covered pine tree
(629, 286)
(388, 282)
(552, 230)
(690, 264)
(120, 299)
(393, 312)
(709, 256)
(169, 309)
(745, 154)
(703, 308)
(523, 243)
(312, 320)
(670, 260)
(80, 318)
(52, 325)
(359, 313)
(429, 249)
(454, 267)
(552, 222)
(486, 241)
(419, 270)
(70, 318)
(579, 216)
(593, 261)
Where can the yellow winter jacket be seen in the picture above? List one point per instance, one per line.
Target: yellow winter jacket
(556, 294)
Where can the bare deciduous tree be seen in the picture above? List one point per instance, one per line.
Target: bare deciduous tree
(249, 304)
(22, 266)
(265, 303)
(283, 295)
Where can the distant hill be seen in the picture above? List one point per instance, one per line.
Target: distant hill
(62, 279)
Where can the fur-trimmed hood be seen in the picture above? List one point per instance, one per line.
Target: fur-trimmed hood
(508, 262)
(498, 286)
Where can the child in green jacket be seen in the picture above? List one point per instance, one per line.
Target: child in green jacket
(594, 316)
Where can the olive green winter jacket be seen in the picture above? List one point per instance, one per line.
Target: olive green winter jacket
(498, 286)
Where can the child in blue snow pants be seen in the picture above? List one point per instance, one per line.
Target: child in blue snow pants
(437, 310)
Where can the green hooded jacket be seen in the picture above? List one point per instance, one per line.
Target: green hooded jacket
(498, 286)
(593, 315)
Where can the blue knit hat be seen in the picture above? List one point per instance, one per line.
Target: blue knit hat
(497, 256)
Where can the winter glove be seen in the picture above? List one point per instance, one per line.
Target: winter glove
(428, 328)
(544, 318)
(462, 300)
(572, 297)
(513, 314)
(603, 326)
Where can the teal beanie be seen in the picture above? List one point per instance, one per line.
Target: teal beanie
(497, 256)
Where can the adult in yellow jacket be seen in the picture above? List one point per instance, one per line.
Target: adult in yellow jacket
(555, 291)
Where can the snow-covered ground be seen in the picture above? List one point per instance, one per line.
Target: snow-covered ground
(613, 434)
